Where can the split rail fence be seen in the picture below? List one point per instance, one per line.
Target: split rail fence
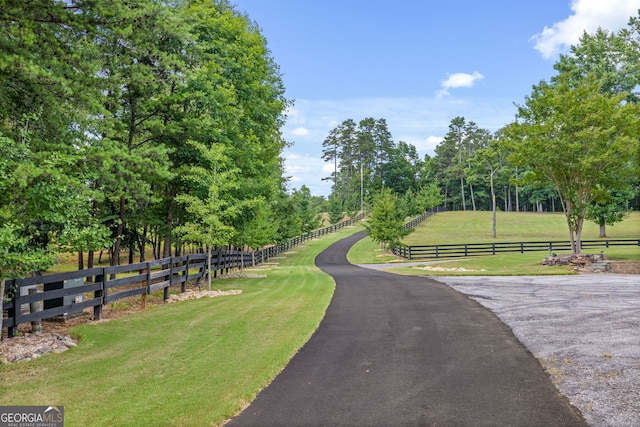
(32, 299)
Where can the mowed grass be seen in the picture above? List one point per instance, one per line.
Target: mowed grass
(193, 363)
(475, 227)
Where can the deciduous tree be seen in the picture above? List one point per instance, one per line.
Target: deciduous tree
(577, 137)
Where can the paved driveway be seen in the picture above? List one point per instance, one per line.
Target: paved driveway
(407, 351)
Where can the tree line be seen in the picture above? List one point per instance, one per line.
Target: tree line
(573, 147)
(135, 124)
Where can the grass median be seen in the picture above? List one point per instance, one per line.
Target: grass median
(192, 363)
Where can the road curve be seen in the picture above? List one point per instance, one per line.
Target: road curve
(407, 351)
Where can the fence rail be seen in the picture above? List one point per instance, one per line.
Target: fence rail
(64, 293)
(418, 220)
(472, 249)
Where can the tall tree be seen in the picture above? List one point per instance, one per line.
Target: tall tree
(360, 153)
(612, 59)
(453, 154)
(211, 217)
(47, 102)
(577, 137)
(489, 162)
(400, 172)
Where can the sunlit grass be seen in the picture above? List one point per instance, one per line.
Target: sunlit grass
(475, 227)
(192, 363)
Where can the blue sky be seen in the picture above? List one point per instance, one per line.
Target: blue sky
(416, 63)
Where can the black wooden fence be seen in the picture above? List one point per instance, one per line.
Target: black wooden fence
(418, 220)
(42, 297)
(472, 249)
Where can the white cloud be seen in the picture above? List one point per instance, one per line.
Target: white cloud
(433, 141)
(300, 131)
(328, 168)
(587, 15)
(459, 80)
(305, 169)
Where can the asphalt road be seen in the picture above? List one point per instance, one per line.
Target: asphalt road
(407, 351)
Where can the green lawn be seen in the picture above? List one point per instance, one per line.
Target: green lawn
(475, 227)
(193, 363)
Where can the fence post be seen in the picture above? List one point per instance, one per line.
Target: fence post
(99, 293)
(183, 285)
(34, 307)
(12, 330)
(148, 278)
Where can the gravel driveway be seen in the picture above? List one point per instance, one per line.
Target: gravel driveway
(584, 329)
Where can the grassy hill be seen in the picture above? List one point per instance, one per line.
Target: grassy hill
(476, 227)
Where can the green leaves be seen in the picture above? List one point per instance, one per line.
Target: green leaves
(98, 103)
(385, 224)
(577, 137)
(211, 217)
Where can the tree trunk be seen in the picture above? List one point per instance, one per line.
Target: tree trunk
(579, 224)
(115, 259)
(80, 260)
(603, 231)
(473, 199)
(90, 260)
(493, 204)
(209, 268)
(168, 229)
(464, 202)
(142, 244)
(572, 239)
(2, 282)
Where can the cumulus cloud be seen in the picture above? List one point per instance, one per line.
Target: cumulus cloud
(300, 131)
(306, 169)
(328, 168)
(587, 15)
(433, 141)
(457, 80)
